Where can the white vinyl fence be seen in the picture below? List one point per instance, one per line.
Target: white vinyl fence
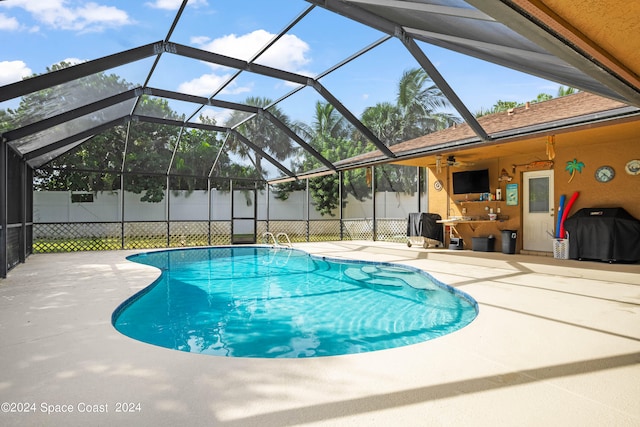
(107, 221)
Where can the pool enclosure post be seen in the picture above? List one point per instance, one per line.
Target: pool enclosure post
(167, 211)
(340, 204)
(255, 212)
(231, 209)
(4, 147)
(374, 231)
(22, 255)
(308, 208)
(423, 187)
(268, 205)
(121, 210)
(209, 210)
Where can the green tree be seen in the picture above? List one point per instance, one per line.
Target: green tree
(501, 106)
(543, 97)
(195, 155)
(416, 112)
(261, 132)
(95, 164)
(386, 122)
(420, 102)
(564, 91)
(328, 136)
(6, 120)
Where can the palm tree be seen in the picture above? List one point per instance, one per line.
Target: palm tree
(419, 101)
(385, 120)
(329, 122)
(261, 132)
(563, 91)
(574, 166)
(543, 97)
(498, 107)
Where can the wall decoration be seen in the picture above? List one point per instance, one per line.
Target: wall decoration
(438, 185)
(573, 166)
(551, 147)
(633, 167)
(605, 174)
(535, 165)
(512, 194)
(504, 176)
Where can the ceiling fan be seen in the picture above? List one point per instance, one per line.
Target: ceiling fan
(449, 161)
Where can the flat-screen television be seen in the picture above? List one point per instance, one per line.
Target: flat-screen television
(465, 182)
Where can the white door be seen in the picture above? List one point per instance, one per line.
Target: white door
(538, 216)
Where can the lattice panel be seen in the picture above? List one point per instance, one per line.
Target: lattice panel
(71, 237)
(391, 229)
(261, 228)
(188, 233)
(145, 235)
(358, 229)
(296, 230)
(220, 232)
(324, 230)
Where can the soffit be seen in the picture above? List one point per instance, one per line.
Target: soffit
(606, 29)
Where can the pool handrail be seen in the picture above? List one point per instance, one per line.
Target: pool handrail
(286, 236)
(275, 238)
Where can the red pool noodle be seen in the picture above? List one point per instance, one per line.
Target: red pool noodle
(565, 214)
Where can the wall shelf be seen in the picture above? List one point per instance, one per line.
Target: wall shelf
(472, 223)
(464, 202)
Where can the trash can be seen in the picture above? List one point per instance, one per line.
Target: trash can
(509, 241)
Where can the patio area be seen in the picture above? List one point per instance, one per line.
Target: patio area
(556, 343)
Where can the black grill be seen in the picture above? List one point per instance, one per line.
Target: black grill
(607, 234)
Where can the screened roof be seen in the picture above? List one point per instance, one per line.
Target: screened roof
(241, 88)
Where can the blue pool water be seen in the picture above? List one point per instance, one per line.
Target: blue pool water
(270, 303)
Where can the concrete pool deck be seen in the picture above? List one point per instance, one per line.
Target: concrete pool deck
(556, 343)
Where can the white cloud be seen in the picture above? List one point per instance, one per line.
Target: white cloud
(13, 71)
(174, 4)
(288, 53)
(220, 116)
(8, 23)
(206, 84)
(88, 17)
(73, 61)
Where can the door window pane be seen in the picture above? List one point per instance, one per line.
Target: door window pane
(539, 195)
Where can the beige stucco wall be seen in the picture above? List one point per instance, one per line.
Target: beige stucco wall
(594, 151)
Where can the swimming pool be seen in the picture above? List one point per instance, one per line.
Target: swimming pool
(285, 303)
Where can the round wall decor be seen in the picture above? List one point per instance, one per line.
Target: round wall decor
(633, 167)
(437, 185)
(605, 174)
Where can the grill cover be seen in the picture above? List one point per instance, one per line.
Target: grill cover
(607, 234)
(423, 224)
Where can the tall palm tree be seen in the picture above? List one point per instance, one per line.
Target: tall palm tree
(563, 91)
(386, 121)
(419, 101)
(328, 122)
(261, 132)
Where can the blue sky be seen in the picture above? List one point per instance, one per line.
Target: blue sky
(36, 34)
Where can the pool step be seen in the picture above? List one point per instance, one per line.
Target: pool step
(360, 276)
(389, 276)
